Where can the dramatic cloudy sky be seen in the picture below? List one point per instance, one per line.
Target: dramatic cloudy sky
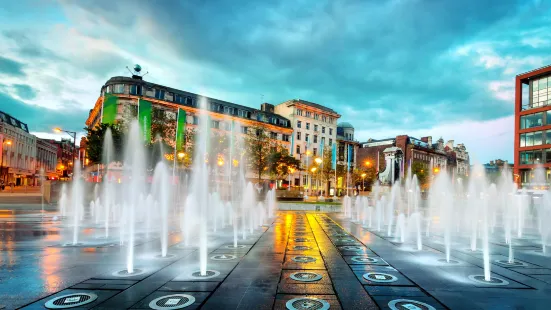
(440, 68)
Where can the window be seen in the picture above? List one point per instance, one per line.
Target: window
(159, 94)
(304, 180)
(315, 151)
(189, 101)
(531, 120)
(307, 126)
(135, 90)
(315, 139)
(307, 138)
(298, 135)
(531, 138)
(228, 110)
(330, 131)
(244, 129)
(195, 120)
(548, 155)
(108, 89)
(273, 135)
(299, 124)
(330, 142)
(298, 149)
(316, 116)
(324, 118)
(299, 112)
(285, 138)
(308, 114)
(323, 141)
(315, 127)
(322, 129)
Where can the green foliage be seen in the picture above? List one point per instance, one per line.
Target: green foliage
(281, 163)
(422, 172)
(95, 137)
(257, 147)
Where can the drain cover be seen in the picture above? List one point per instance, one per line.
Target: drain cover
(70, 301)
(223, 257)
(301, 248)
(444, 261)
(380, 277)
(408, 304)
(351, 248)
(310, 303)
(175, 301)
(340, 235)
(239, 246)
(493, 280)
(363, 259)
(300, 234)
(168, 256)
(209, 274)
(511, 264)
(301, 240)
(304, 259)
(125, 273)
(306, 276)
(346, 240)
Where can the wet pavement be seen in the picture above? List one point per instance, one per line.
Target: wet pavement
(301, 260)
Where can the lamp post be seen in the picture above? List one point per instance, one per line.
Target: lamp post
(74, 135)
(291, 171)
(363, 181)
(8, 143)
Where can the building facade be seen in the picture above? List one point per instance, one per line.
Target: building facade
(394, 156)
(128, 92)
(533, 128)
(314, 130)
(18, 152)
(347, 148)
(65, 150)
(46, 158)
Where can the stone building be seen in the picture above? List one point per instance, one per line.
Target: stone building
(46, 158)
(18, 151)
(315, 128)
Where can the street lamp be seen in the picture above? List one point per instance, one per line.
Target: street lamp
(74, 135)
(318, 161)
(368, 163)
(181, 155)
(363, 181)
(8, 143)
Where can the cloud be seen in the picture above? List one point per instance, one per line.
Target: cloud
(11, 67)
(24, 92)
(43, 119)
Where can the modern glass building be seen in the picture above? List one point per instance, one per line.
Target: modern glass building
(533, 128)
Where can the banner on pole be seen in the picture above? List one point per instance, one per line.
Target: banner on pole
(144, 119)
(181, 130)
(334, 156)
(109, 109)
(348, 157)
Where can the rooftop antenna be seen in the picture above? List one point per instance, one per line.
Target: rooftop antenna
(136, 72)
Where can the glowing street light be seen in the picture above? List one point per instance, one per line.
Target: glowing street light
(368, 163)
(220, 162)
(318, 161)
(363, 181)
(313, 169)
(181, 155)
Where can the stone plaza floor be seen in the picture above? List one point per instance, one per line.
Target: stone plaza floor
(331, 261)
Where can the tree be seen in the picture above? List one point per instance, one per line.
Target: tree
(257, 147)
(421, 171)
(95, 138)
(280, 163)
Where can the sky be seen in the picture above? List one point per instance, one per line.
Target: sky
(418, 67)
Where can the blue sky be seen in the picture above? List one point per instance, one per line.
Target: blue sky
(440, 68)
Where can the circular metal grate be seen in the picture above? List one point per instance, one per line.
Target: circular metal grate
(309, 303)
(300, 234)
(444, 261)
(301, 248)
(363, 259)
(408, 304)
(174, 301)
(70, 301)
(493, 280)
(304, 259)
(239, 246)
(306, 276)
(380, 277)
(207, 275)
(302, 239)
(346, 240)
(511, 264)
(223, 257)
(351, 248)
(125, 273)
